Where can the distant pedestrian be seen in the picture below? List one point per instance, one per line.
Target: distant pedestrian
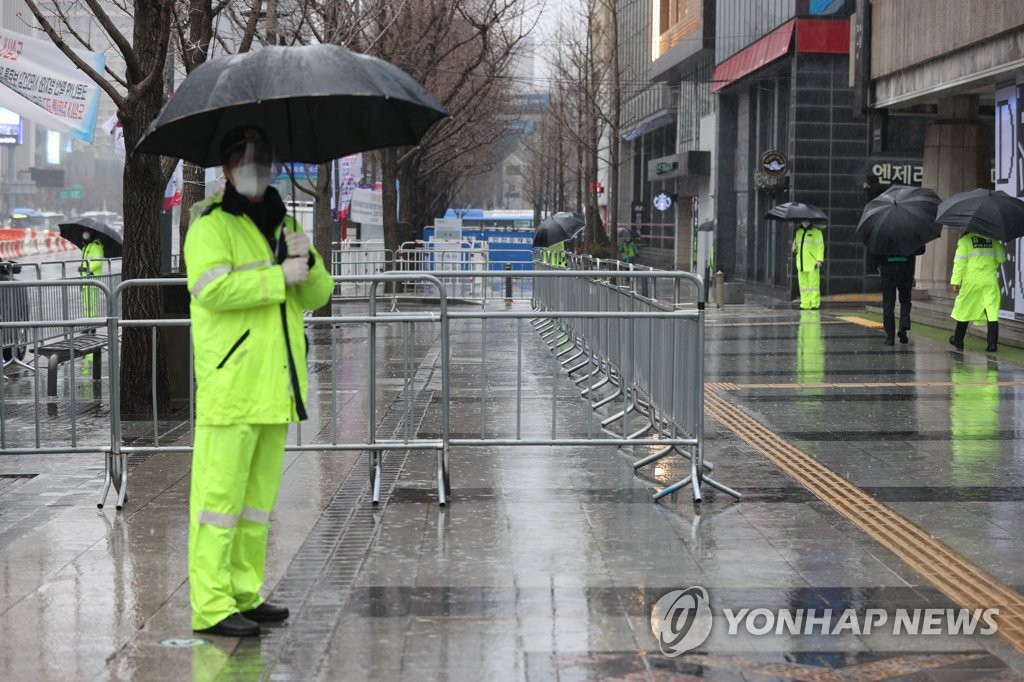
(975, 280)
(809, 255)
(251, 274)
(897, 273)
(90, 267)
(628, 250)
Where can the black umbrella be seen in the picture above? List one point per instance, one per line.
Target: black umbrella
(315, 102)
(706, 226)
(989, 212)
(795, 210)
(900, 220)
(558, 228)
(625, 234)
(113, 243)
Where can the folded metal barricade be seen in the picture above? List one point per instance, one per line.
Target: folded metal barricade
(649, 351)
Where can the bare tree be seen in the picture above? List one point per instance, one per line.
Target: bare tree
(138, 94)
(461, 51)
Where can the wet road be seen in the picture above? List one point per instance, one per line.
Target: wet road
(550, 562)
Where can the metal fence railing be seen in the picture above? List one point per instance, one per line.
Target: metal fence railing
(647, 353)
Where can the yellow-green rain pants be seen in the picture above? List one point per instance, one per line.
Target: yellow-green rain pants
(230, 507)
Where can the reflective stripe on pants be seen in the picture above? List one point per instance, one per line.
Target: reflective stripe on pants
(810, 291)
(236, 471)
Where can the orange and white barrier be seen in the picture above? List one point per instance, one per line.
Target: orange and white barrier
(16, 244)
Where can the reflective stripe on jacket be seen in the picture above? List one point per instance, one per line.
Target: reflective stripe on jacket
(241, 357)
(809, 247)
(976, 271)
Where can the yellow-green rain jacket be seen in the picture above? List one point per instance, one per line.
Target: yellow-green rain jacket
(92, 259)
(241, 358)
(809, 247)
(976, 271)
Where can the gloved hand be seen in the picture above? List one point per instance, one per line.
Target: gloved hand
(297, 243)
(296, 270)
(817, 265)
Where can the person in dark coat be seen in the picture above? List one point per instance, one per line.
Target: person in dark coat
(897, 273)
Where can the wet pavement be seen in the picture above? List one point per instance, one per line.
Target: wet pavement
(549, 563)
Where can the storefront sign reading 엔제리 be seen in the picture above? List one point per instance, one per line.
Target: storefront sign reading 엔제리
(889, 173)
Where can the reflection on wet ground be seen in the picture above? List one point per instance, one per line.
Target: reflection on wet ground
(549, 563)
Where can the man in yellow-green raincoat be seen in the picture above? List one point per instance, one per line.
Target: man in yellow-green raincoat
(808, 257)
(251, 273)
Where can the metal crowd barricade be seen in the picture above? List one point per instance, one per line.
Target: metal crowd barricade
(351, 258)
(177, 435)
(649, 351)
(644, 355)
(23, 394)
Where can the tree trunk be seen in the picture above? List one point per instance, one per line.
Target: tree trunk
(389, 197)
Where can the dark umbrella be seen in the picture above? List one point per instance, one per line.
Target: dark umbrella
(558, 228)
(795, 210)
(315, 102)
(900, 220)
(989, 212)
(706, 226)
(625, 234)
(113, 244)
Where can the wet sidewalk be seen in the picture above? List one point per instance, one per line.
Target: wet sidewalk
(549, 563)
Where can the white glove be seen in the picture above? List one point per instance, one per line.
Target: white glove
(817, 265)
(297, 243)
(296, 270)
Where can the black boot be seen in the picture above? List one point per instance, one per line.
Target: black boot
(957, 340)
(993, 337)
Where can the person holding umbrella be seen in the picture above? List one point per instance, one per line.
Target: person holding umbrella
(251, 273)
(975, 280)
(895, 226)
(809, 254)
(897, 274)
(91, 266)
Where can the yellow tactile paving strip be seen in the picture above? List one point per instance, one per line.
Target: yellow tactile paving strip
(864, 322)
(966, 584)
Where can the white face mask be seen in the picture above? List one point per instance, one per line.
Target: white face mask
(251, 179)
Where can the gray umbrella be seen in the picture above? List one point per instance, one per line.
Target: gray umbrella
(315, 102)
(795, 210)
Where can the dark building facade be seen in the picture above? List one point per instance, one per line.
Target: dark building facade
(788, 130)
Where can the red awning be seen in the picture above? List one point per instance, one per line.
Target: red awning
(819, 36)
(753, 57)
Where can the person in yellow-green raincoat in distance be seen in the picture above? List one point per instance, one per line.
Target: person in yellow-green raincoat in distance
(91, 267)
(808, 257)
(975, 280)
(251, 273)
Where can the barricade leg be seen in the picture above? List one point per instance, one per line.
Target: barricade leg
(51, 375)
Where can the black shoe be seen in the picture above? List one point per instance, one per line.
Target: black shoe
(903, 336)
(267, 612)
(990, 349)
(956, 343)
(235, 625)
(888, 341)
